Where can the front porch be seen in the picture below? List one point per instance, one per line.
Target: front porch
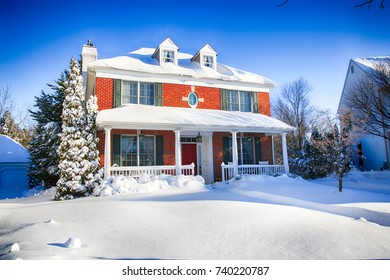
(210, 125)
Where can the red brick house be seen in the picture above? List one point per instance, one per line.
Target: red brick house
(163, 111)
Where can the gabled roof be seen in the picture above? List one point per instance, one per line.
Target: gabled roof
(208, 49)
(11, 151)
(368, 63)
(134, 116)
(141, 61)
(365, 65)
(167, 43)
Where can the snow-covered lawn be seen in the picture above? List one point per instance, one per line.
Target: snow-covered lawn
(257, 217)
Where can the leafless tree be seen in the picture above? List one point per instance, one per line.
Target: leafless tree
(369, 100)
(13, 124)
(293, 107)
(6, 103)
(337, 137)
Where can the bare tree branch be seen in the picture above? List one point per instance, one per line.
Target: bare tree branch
(280, 5)
(369, 100)
(361, 5)
(368, 4)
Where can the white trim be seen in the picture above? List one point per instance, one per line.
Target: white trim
(174, 118)
(177, 152)
(235, 153)
(107, 152)
(181, 80)
(285, 155)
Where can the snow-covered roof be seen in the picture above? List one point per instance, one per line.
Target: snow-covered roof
(12, 151)
(141, 61)
(135, 116)
(368, 63)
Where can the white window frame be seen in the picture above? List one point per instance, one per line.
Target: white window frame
(166, 58)
(209, 64)
(138, 149)
(138, 92)
(239, 100)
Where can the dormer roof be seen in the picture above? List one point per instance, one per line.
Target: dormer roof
(206, 57)
(166, 45)
(207, 49)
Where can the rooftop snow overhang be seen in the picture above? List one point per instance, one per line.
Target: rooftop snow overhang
(135, 116)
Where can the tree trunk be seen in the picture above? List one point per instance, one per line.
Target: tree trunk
(340, 184)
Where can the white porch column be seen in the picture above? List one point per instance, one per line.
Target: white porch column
(177, 152)
(235, 153)
(285, 156)
(107, 152)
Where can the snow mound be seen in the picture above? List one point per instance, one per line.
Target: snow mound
(14, 248)
(73, 243)
(147, 184)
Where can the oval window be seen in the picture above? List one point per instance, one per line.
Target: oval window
(192, 100)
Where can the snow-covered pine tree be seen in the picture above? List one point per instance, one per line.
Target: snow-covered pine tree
(92, 171)
(43, 147)
(73, 150)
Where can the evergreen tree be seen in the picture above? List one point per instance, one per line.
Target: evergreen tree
(72, 150)
(43, 147)
(9, 127)
(79, 156)
(93, 173)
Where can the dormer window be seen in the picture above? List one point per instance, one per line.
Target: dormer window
(208, 61)
(169, 56)
(206, 57)
(166, 52)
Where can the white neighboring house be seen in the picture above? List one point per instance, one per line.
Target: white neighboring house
(14, 160)
(372, 152)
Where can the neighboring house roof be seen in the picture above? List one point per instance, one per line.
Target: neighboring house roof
(142, 61)
(357, 68)
(11, 151)
(368, 63)
(134, 116)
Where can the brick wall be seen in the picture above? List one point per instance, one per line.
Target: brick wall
(173, 96)
(104, 93)
(264, 103)
(169, 143)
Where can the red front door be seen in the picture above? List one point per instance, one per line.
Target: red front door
(189, 155)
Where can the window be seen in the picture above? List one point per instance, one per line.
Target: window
(208, 61)
(168, 56)
(133, 147)
(146, 95)
(239, 101)
(246, 151)
(193, 100)
(245, 101)
(137, 93)
(232, 100)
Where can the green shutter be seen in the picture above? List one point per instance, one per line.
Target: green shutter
(257, 150)
(117, 93)
(116, 155)
(159, 150)
(223, 99)
(158, 93)
(255, 102)
(227, 156)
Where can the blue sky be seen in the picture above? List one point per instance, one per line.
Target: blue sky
(309, 39)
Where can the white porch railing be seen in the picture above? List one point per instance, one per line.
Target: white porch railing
(137, 171)
(251, 169)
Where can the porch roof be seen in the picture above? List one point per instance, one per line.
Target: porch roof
(134, 116)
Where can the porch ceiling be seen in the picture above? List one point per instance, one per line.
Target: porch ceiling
(135, 116)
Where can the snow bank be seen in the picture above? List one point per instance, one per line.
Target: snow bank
(146, 184)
